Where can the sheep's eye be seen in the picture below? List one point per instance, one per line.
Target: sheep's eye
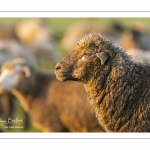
(88, 54)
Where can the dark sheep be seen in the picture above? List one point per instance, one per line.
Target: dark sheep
(52, 105)
(119, 87)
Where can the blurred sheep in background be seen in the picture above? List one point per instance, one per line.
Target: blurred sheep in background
(77, 30)
(136, 42)
(11, 48)
(29, 39)
(39, 39)
(136, 36)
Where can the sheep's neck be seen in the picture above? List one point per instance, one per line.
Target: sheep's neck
(29, 91)
(25, 101)
(34, 85)
(114, 102)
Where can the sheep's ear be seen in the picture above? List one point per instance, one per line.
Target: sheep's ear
(26, 71)
(102, 56)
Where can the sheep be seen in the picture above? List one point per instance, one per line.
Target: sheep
(119, 88)
(139, 55)
(51, 105)
(11, 48)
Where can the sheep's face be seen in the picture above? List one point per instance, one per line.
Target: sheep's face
(10, 76)
(82, 63)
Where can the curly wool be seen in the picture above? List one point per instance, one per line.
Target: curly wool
(119, 88)
(120, 93)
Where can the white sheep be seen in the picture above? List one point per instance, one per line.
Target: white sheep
(10, 48)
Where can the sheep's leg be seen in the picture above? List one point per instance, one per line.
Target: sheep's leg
(7, 105)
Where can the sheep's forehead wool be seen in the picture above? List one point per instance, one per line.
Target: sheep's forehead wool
(89, 40)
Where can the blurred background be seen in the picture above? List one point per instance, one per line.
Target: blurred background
(44, 41)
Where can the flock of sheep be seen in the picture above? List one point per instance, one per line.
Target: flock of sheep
(109, 91)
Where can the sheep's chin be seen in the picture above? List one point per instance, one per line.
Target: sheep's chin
(61, 78)
(67, 77)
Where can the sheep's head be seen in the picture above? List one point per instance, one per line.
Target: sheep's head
(90, 55)
(11, 74)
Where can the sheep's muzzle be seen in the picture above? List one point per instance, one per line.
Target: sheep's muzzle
(61, 73)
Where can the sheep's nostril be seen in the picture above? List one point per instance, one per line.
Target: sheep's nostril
(57, 67)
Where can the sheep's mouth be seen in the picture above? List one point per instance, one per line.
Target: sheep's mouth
(63, 76)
